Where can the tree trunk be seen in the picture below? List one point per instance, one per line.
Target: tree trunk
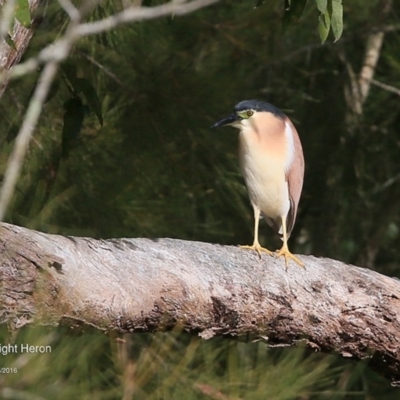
(142, 285)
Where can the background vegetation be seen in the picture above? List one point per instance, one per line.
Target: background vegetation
(154, 168)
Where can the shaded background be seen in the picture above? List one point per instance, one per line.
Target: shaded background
(156, 169)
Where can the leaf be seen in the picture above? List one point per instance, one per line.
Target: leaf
(322, 6)
(293, 11)
(84, 86)
(73, 120)
(23, 13)
(10, 42)
(337, 19)
(324, 25)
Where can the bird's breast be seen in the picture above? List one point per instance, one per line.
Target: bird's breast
(263, 161)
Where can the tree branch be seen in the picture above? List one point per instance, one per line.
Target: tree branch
(20, 37)
(356, 93)
(384, 86)
(142, 285)
(371, 57)
(134, 13)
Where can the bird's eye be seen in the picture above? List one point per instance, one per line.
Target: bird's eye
(249, 113)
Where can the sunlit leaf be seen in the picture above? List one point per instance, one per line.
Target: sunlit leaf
(322, 6)
(22, 13)
(324, 25)
(337, 19)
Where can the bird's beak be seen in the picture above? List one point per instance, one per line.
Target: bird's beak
(227, 121)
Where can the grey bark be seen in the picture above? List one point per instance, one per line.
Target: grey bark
(142, 285)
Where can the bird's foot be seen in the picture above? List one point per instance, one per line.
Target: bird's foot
(284, 251)
(258, 248)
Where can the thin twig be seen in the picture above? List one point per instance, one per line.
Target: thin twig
(384, 86)
(103, 68)
(70, 9)
(387, 184)
(140, 14)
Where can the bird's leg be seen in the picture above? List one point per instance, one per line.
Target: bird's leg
(284, 251)
(256, 244)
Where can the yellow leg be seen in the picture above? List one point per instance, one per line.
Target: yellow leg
(284, 251)
(256, 244)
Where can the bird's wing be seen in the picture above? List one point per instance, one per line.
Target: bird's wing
(294, 178)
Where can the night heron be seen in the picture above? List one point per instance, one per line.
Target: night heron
(272, 163)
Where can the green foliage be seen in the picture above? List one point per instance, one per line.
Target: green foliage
(152, 167)
(156, 169)
(324, 19)
(22, 13)
(331, 15)
(86, 88)
(196, 369)
(69, 366)
(170, 366)
(337, 19)
(82, 86)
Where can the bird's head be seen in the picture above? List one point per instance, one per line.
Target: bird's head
(248, 110)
